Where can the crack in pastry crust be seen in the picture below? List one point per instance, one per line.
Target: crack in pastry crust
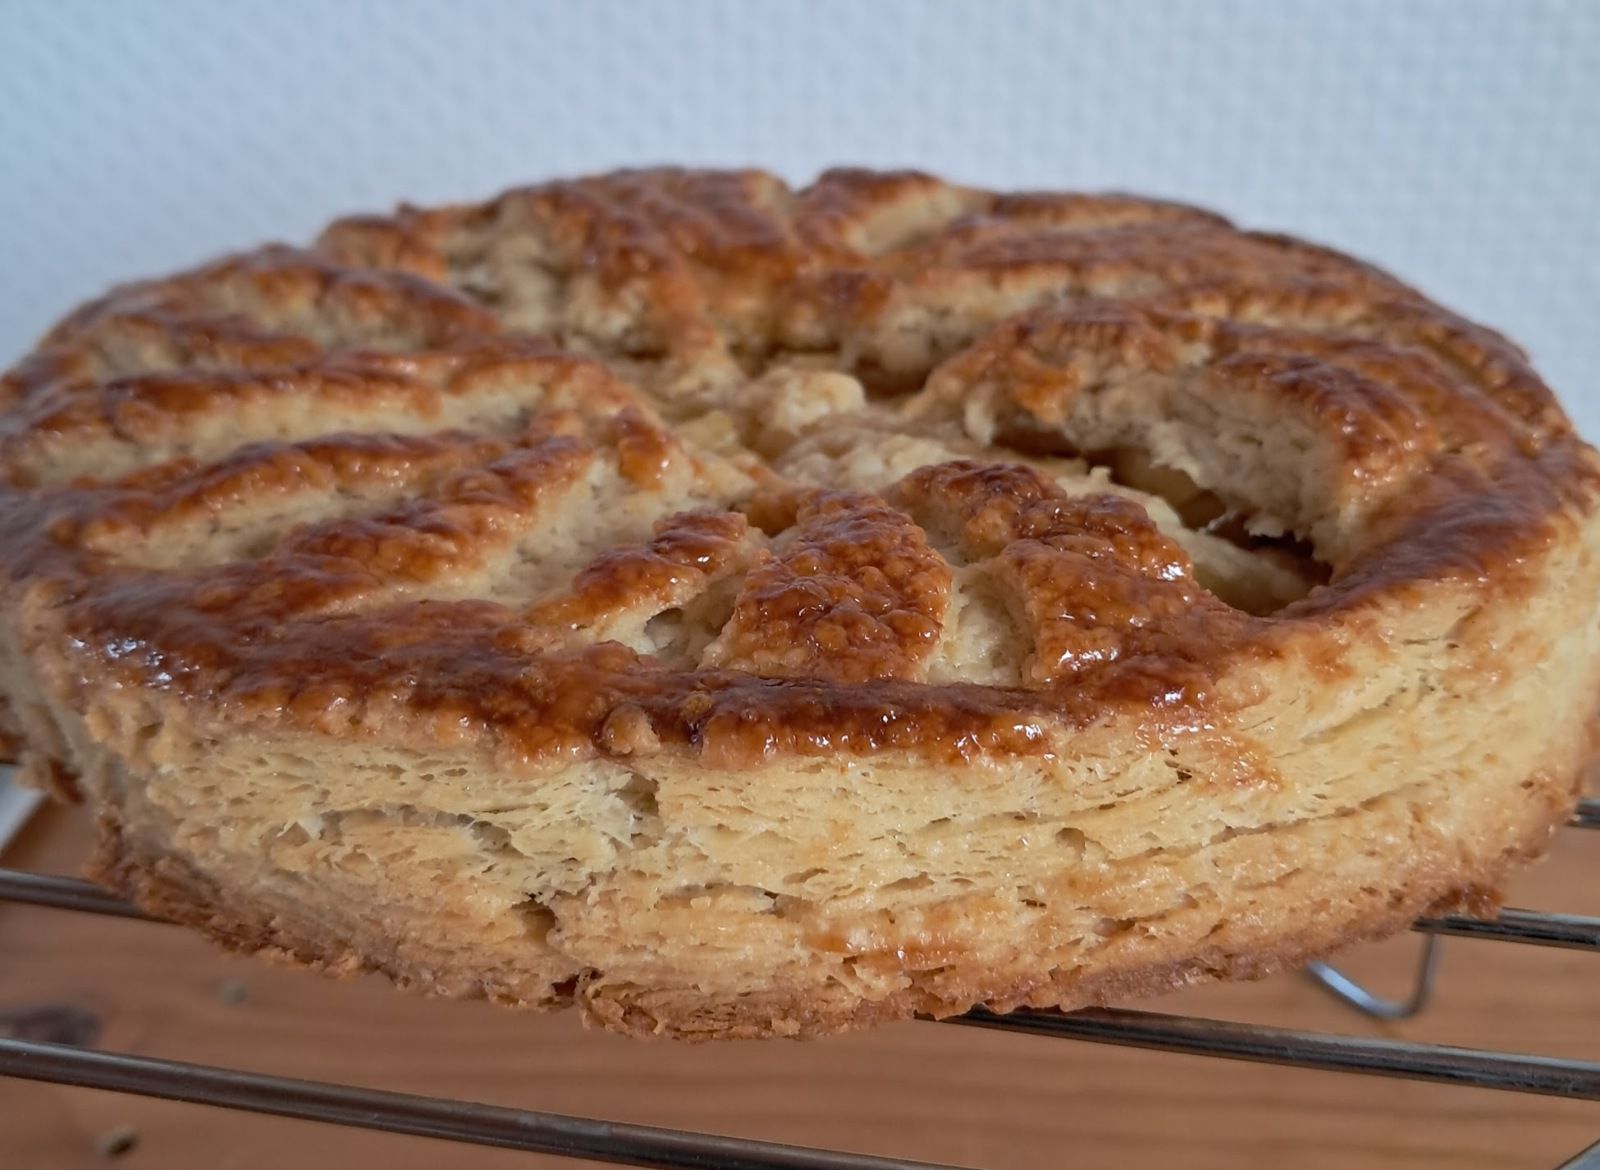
(684, 592)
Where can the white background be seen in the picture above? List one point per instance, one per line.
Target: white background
(1457, 142)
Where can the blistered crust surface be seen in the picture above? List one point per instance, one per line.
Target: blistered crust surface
(694, 461)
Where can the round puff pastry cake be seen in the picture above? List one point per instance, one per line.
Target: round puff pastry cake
(742, 611)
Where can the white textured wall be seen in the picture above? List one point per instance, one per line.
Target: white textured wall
(1455, 141)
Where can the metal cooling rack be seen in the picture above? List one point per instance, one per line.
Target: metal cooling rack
(639, 1145)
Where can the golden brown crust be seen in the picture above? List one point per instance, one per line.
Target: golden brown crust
(857, 595)
(668, 474)
(1436, 436)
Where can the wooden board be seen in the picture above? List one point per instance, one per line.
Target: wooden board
(915, 1090)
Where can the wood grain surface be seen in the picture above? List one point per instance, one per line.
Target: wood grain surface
(918, 1090)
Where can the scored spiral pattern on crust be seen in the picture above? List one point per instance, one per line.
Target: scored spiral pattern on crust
(670, 458)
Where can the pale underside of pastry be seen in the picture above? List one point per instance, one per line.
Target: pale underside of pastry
(742, 610)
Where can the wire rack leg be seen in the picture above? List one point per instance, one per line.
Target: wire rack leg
(1370, 1003)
